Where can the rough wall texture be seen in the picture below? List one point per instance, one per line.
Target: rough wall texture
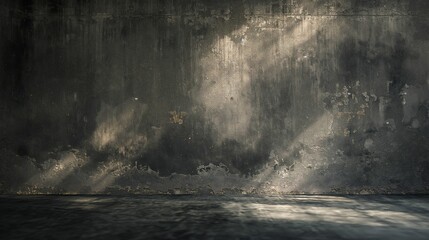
(214, 96)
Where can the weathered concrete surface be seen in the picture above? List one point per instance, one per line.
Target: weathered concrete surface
(299, 96)
(191, 217)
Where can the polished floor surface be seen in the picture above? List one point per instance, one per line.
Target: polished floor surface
(213, 217)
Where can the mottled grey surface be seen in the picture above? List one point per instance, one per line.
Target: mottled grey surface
(185, 217)
(219, 96)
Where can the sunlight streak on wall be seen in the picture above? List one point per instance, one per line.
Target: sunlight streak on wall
(116, 127)
(282, 179)
(55, 171)
(225, 88)
(106, 174)
(233, 63)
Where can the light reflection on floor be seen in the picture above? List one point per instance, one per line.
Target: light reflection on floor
(214, 217)
(335, 210)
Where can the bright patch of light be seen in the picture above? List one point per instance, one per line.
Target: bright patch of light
(336, 210)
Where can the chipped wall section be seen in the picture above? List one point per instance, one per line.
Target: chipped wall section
(214, 96)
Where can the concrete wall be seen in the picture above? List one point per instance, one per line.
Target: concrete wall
(281, 96)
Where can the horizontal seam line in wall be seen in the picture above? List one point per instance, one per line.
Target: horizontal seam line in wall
(155, 16)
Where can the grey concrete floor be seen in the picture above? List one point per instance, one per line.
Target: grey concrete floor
(213, 217)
